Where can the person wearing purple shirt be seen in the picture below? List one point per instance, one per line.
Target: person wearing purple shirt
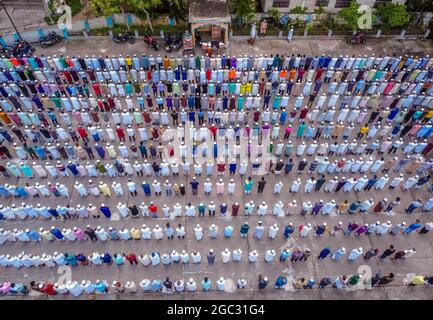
(361, 230)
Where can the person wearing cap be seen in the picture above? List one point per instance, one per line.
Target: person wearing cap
(213, 231)
(320, 230)
(145, 285)
(284, 255)
(241, 283)
(269, 255)
(412, 227)
(244, 230)
(305, 229)
(226, 254)
(179, 285)
(221, 284)
(105, 190)
(236, 255)
(361, 229)
(191, 285)
(211, 256)
(57, 233)
(231, 186)
(355, 254)
(306, 208)
(337, 255)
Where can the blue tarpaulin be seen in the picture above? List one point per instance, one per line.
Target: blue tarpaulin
(110, 23)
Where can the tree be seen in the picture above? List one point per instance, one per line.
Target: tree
(393, 15)
(419, 5)
(108, 7)
(245, 10)
(177, 9)
(145, 6)
(351, 15)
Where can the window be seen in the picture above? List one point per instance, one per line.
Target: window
(281, 3)
(342, 3)
(379, 2)
(323, 3)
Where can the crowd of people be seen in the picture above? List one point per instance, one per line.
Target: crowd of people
(260, 230)
(166, 285)
(174, 257)
(352, 125)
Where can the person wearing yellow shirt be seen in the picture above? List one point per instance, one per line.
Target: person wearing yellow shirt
(128, 61)
(166, 62)
(417, 280)
(135, 234)
(105, 190)
(243, 87)
(363, 130)
(429, 114)
(249, 87)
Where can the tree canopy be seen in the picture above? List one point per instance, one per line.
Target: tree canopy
(393, 15)
(351, 15)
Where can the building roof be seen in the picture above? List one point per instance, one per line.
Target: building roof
(209, 11)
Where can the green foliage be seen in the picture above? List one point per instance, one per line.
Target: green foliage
(274, 14)
(350, 15)
(419, 5)
(393, 15)
(107, 7)
(245, 10)
(329, 22)
(319, 10)
(75, 5)
(177, 9)
(298, 9)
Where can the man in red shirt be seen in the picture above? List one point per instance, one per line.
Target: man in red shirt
(214, 130)
(221, 167)
(49, 289)
(132, 258)
(83, 134)
(120, 133)
(153, 210)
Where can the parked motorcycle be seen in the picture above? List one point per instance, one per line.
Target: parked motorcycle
(123, 37)
(50, 39)
(357, 38)
(151, 42)
(173, 45)
(22, 48)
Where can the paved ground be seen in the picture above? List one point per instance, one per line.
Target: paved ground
(317, 45)
(24, 19)
(421, 263)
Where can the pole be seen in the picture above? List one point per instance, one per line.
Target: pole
(10, 19)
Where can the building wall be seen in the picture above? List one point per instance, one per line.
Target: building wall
(310, 4)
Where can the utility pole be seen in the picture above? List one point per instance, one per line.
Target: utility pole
(10, 19)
